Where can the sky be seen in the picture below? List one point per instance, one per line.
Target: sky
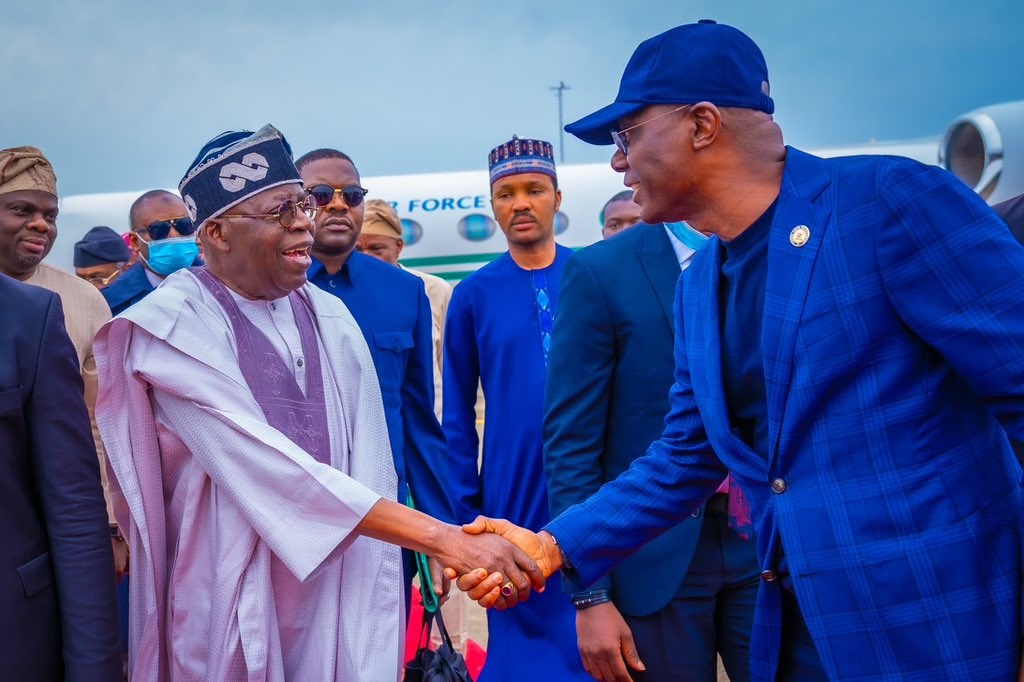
(122, 95)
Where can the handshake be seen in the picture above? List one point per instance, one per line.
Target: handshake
(496, 562)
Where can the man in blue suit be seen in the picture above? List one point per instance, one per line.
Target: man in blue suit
(57, 592)
(850, 346)
(165, 239)
(393, 312)
(605, 402)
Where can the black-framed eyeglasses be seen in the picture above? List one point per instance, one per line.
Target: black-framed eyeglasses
(620, 138)
(351, 194)
(286, 213)
(161, 228)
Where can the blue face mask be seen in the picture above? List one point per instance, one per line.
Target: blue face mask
(687, 235)
(167, 256)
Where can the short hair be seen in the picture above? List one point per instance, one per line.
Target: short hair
(625, 195)
(151, 194)
(320, 155)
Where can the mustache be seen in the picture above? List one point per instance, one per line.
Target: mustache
(524, 214)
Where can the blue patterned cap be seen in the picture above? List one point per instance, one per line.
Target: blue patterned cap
(521, 156)
(234, 166)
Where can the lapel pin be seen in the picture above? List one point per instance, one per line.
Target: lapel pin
(799, 236)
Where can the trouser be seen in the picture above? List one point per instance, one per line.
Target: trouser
(711, 613)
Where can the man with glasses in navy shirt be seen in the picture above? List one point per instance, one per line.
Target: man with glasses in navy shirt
(164, 237)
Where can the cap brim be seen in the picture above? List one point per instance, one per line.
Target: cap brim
(597, 127)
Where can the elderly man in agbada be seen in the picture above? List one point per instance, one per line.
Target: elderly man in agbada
(850, 345)
(255, 470)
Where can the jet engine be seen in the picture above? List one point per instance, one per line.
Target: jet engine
(985, 149)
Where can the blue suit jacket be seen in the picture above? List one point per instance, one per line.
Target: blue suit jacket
(893, 346)
(57, 596)
(393, 312)
(607, 394)
(128, 289)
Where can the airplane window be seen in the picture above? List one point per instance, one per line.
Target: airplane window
(412, 231)
(476, 227)
(561, 222)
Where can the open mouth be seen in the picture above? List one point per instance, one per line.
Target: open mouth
(298, 254)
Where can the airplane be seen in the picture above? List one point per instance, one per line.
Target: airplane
(450, 230)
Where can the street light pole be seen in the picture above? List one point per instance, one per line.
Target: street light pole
(559, 89)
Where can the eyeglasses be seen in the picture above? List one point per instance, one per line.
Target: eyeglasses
(286, 213)
(101, 282)
(161, 228)
(351, 194)
(620, 138)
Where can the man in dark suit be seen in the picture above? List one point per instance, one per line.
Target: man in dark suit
(164, 237)
(690, 592)
(58, 608)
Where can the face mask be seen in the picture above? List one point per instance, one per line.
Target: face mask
(687, 235)
(167, 256)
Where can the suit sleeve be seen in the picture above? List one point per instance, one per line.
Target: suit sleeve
(659, 490)
(578, 392)
(425, 462)
(461, 378)
(67, 472)
(953, 272)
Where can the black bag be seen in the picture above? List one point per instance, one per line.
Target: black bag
(444, 665)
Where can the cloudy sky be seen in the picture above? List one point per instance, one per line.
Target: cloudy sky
(122, 95)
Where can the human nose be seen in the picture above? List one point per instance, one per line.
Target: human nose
(619, 162)
(38, 222)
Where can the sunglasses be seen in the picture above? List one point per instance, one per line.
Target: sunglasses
(352, 195)
(161, 228)
(286, 213)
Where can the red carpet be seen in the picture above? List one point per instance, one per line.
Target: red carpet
(475, 654)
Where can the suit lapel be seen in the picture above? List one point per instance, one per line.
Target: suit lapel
(658, 260)
(798, 215)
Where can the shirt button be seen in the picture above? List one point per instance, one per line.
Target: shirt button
(333, 285)
(768, 576)
(696, 513)
(778, 486)
(299, 362)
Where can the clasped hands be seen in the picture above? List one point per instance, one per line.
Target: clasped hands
(498, 563)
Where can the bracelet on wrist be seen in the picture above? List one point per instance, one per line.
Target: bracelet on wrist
(584, 600)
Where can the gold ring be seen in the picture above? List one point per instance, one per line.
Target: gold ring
(508, 589)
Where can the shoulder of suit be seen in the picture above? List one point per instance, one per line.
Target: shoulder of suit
(16, 294)
(627, 241)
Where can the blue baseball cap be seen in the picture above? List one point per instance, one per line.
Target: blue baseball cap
(702, 62)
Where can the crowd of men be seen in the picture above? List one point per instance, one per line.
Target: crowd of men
(767, 419)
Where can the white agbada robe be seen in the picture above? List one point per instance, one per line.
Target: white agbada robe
(243, 562)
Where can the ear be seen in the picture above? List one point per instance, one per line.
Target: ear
(558, 199)
(400, 244)
(133, 242)
(707, 124)
(215, 235)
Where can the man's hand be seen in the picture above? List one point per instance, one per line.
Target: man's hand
(606, 643)
(440, 582)
(120, 557)
(463, 552)
(539, 547)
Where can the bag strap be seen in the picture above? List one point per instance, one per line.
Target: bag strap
(431, 605)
